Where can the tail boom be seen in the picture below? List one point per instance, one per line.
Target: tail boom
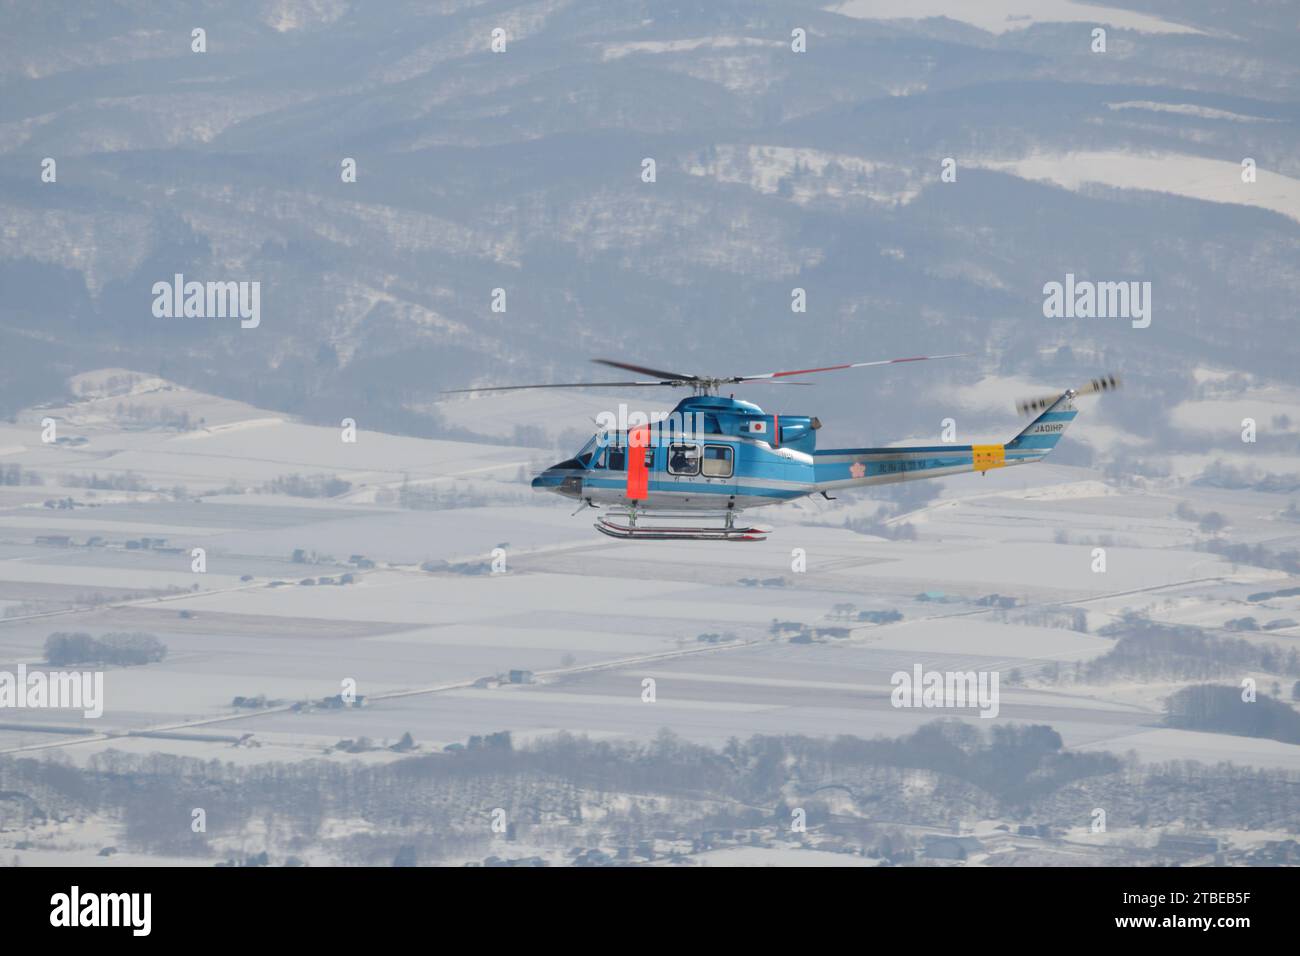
(857, 467)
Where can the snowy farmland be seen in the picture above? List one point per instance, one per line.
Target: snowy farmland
(302, 598)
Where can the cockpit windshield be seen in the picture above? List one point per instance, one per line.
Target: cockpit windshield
(584, 456)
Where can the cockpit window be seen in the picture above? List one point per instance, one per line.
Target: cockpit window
(683, 459)
(591, 452)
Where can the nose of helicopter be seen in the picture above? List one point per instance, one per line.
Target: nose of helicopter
(548, 480)
(563, 479)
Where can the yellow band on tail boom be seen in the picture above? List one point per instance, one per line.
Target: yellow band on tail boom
(988, 456)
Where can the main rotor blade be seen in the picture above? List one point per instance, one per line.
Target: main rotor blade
(516, 388)
(678, 376)
(836, 368)
(700, 382)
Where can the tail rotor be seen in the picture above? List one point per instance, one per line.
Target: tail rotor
(1031, 406)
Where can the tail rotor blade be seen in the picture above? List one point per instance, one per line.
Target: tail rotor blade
(1031, 406)
(1107, 383)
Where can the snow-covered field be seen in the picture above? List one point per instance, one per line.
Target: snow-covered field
(999, 16)
(589, 617)
(1195, 177)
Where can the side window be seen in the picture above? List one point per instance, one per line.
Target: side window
(718, 461)
(683, 459)
(617, 459)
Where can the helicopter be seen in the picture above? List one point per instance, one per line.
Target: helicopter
(713, 457)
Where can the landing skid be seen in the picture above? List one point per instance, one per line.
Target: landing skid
(625, 526)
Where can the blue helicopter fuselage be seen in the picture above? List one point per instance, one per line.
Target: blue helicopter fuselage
(710, 453)
(722, 454)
